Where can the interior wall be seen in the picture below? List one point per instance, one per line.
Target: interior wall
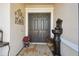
(39, 5)
(5, 20)
(17, 31)
(69, 14)
(5, 25)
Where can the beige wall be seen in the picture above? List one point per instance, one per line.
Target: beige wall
(69, 14)
(16, 31)
(39, 5)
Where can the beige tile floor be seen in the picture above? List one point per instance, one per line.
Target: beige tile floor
(36, 50)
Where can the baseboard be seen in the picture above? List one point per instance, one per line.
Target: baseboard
(19, 52)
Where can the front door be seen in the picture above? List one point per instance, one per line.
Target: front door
(39, 26)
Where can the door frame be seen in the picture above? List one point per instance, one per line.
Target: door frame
(48, 24)
(39, 10)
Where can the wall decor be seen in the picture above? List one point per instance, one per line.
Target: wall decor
(19, 19)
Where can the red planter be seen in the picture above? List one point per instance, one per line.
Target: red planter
(26, 41)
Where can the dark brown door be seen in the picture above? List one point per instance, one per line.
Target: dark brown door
(39, 26)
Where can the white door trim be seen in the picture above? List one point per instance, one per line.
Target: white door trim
(39, 10)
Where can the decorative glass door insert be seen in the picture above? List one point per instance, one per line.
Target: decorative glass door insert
(39, 26)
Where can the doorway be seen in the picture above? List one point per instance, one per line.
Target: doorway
(28, 26)
(39, 26)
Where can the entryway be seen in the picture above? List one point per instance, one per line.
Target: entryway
(39, 26)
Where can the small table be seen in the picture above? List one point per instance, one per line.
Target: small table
(2, 44)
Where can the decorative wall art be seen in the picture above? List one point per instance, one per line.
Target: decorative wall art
(19, 19)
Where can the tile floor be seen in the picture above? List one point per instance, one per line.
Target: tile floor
(36, 50)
